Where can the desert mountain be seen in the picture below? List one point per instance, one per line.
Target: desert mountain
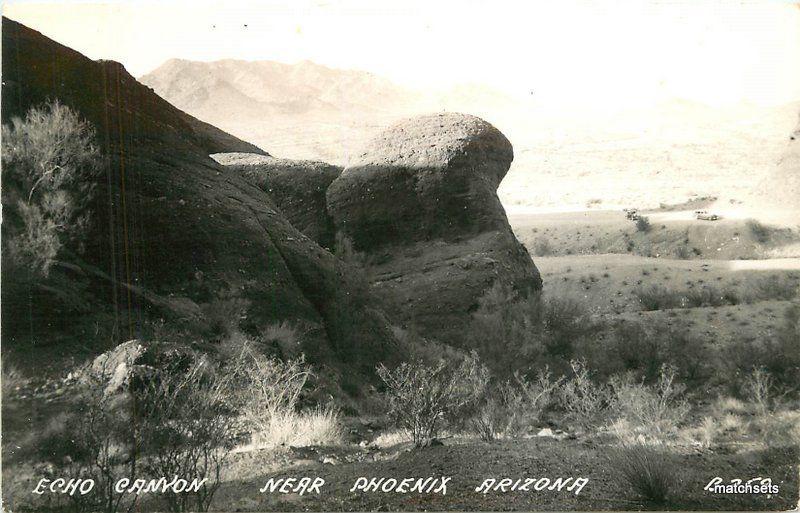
(668, 151)
(175, 236)
(302, 111)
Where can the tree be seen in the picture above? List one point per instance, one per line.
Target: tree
(49, 162)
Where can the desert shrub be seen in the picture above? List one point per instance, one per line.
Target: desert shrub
(513, 333)
(776, 353)
(584, 401)
(706, 295)
(648, 471)
(758, 387)
(643, 224)
(490, 417)
(515, 405)
(775, 286)
(683, 252)
(641, 348)
(266, 393)
(284, 339)
(760, 232)
(49, 162)
(657, 297)
(541, 246)
(528, 399)
(223, 315)
(731, 297)
(779, 428)
(648, 412)
(423, 398)
(187, 427)
(96, 440)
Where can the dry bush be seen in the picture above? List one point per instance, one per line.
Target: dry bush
(223, 315)
(657, 297)
(643, 224)
(526, 400)
(650, 472)
(95, 440)
(775, 286)
(490, 417)
(187, 427)
(648, 413)
(584, 402)
(514, 333)
(284, 338)
(759, 388)
(424, 398)
(49, 162)
(541, 246)
(760, 232)
(266, 393)
(777, 353)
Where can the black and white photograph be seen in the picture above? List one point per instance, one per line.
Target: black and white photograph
(443, 255)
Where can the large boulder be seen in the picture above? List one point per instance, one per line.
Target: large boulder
(420, 206)
(297, 187)
(427, 178)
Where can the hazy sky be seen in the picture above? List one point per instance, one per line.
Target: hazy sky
(575, 52)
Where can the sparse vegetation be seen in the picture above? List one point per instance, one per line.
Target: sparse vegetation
(266, 392)
(515, 405)
(186, 428)
(648, 413)
(49, 162)
(760, 232)
(583, 401)
(514, 333)
(423, 398)
(657, 297)
(643, 224)
(646, 470)
(541, 246)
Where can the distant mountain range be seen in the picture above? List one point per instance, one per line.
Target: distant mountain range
(667, 153)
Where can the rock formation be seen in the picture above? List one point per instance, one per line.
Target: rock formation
(297, 186)
(420, 205)
(175, 236)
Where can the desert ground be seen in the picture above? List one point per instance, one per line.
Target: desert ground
(451, 300)
(597, 258)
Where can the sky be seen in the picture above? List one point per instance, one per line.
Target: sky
(560, 52)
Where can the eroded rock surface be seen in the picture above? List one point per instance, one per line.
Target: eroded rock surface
(420, 205)
(297, 187)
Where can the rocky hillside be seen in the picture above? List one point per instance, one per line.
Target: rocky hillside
(176, 238)
(779, 191)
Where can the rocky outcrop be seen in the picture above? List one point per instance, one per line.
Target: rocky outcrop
(170, 226)
(297, 186)
(420, 205)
